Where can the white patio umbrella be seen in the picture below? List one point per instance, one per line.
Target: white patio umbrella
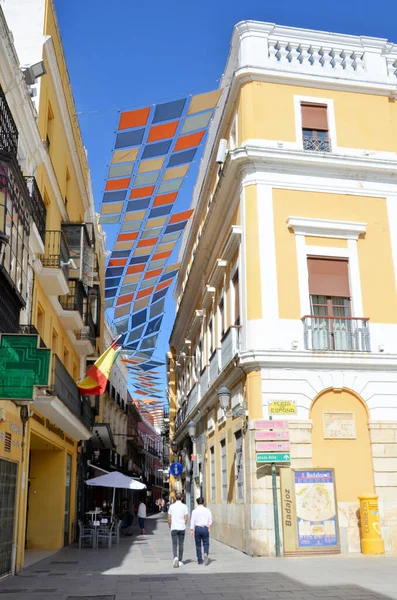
(114, 480)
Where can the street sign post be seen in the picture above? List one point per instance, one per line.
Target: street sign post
(263, 424)
(271, 435)
(273, 457)
(272, 446)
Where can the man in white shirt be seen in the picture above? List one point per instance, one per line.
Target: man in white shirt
(142, 516)
(177, 519)
(200, 527)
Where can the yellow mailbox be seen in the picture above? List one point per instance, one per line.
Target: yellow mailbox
(371, 539)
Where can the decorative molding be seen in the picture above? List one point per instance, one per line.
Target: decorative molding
(218, 273)
(232, 243)
(348, 230)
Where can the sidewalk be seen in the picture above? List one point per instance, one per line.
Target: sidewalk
(140, 568)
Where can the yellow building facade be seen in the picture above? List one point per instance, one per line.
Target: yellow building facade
(62, 303)
(287, 290)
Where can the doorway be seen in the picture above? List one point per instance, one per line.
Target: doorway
(8, 486)
(66, 528)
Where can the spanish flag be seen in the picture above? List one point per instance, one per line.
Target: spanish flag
(94, 384)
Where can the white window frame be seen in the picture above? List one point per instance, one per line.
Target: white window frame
(210, 334)
(222, 298)
(233, 271)
(222, 444)
(212, 474)
(347, 230)
(298, 101)
(237, 396)
(233, 136)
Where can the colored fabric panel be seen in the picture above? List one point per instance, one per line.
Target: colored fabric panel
(122, 326)
(146, 179)
(181, 158)
(138, 319)
(162, 132)
(114, 196)
(169, 110)
(133, 226)
(142, 303)
(143, 192)
(112, 282)
(124, 299)
(160, 255)
(159, 222)
(148, 343)
(131, 278)
(120, 254)
(170, 186)
(155, 232)
(163, 285)
(160, 211)
(114, 272)
(139, 260)
(165, 199)
(127, 237)
(165, 247)
(153, 326)
(197, 122)
(202, 102)
(135, 269)
(182, 216)
(135, 215)
(153, 164)
(140, 204)
(175, 173)
(122, 311)
(121, 156)
(108, 209)
(118, 184)
(175, 267)
(117, 262)
(171, 237)
(132, 345)
(129, 138)
(134, 118)
(143, 293)
(142, 252)
(154, 273)
(157, 308)
(175, 227)
(128, 289)
(111, 293)
(108, 303)
(109, 219)
(123, 246)
(167, 276)
(149, 242)
(189, 141)
(157, 149)
(121, 170)
(136, 334)
(148, 283)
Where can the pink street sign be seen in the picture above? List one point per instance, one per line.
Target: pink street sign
(272, 435)
(271, 424)
(272, 446)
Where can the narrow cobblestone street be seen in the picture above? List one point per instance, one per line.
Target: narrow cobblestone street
(141, 568)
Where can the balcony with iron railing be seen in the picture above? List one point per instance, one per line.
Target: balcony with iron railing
(8, 129)
(37, 207)
(70, 307)
(53, 270)
(315, 144)
(344, 334)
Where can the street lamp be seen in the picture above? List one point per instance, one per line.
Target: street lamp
(191, 428)
(174, 447)
(224, 395)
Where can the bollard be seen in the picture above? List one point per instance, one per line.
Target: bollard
(371, 539)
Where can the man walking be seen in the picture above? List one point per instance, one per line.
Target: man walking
(200, 526)
(142, 516)
(177, 519)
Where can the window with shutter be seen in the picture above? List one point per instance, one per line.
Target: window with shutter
(315, 127)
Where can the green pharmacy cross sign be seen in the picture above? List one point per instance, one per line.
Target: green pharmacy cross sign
(23, 364)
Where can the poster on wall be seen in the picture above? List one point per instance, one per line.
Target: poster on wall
(309, 510)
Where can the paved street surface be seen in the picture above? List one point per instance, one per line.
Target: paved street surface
(140, 568)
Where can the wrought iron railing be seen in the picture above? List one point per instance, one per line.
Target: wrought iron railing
(64, 386)
(8, 129)
(346, 334)
(37, 207)
(74, 300)
(56, 253)
(316, 144)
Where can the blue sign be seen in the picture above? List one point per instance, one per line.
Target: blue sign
(316, 508)
(176, 469)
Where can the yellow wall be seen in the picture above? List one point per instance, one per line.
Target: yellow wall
(374, 249)
(346, 456)
(252, 257)
(266, 111)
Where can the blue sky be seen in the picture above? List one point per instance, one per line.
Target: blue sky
(124, 54)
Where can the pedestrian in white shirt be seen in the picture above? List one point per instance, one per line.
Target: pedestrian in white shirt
(200, 527)
(177, 519)
(142, 516)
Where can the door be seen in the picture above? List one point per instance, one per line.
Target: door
(8, 486)
(66, 529)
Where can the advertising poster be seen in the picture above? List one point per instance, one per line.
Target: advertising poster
(316, 509)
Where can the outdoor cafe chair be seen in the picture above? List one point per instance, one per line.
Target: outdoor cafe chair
(116, 526)
(104, 533)
(86, 533)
